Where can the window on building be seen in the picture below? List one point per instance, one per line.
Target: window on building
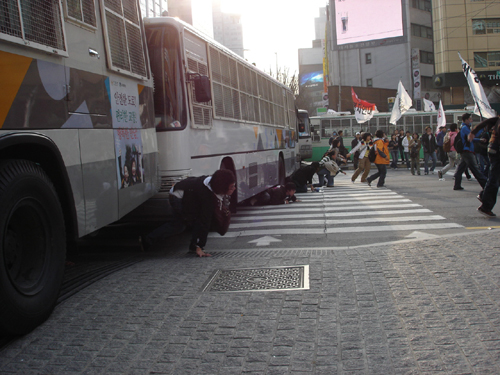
(369, 82)
(368, 58)
(426, 57)
(421, 31)
(486, 59)
(486, 26)
(422, 5)
(426, 83)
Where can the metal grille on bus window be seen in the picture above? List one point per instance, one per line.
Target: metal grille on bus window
(215, 63)
(192, 65)
(9, 19)
(117, 41)
(233, 74)
(114, 5)
(42, 22)
(198, 115)
(271, 113)
(135, 49)
(224, 67)
(248, 80)
(218, 99)
(207, 116)
(203, 69)
(228, 102)
(82, 10)
(130, 11)
(256, 109)
(236, 104)
(243, 78)
(244, 112)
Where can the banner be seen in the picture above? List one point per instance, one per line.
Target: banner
(401, 105)
(483, 107)
(441, 118)
(429, 106)
(416, 84)
(363, 110)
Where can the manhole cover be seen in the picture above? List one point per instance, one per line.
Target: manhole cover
(258, 279)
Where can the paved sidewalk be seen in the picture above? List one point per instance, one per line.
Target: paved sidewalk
(410, 308)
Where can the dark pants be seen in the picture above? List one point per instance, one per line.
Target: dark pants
(380, 174)
(402, 152)
(300, 188)
(173, 226)
(469, 161)
(490, 192)
(394, 157)
(355, 160)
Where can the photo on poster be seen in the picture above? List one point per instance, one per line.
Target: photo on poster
(128, 148)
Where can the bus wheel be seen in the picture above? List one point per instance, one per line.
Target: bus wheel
(281, 171)
(32, 246)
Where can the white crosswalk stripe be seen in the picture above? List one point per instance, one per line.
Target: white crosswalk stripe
(342, 209)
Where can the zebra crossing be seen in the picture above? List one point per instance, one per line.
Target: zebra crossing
(345, 208)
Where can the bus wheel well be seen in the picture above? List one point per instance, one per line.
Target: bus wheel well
(49, 162)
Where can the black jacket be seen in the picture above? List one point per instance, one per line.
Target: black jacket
(278, 195)
(304, 175)
(429, 145)
(198, 207)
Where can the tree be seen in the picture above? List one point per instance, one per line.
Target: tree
(302, 100)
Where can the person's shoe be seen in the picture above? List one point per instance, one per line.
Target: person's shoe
(418, 173)
(369, 183)
(432, 172)
(352, 181)
(458, 188)
(426, 173)
(381, 186)
(329, 185)
(440, 174)
(469, 179)
(483, 212)
(479, 198)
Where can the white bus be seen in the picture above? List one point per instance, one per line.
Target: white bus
(215, 110)
(414, 121)
(305, 140)
(78, 144)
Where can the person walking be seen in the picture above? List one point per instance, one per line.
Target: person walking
(381, 161)
(468, 156)
(364, 163)
(452, 154)
(401, 148)
(394, 150)
(489, 196)
(406, 142)
(430, 149)
(441, 133)
(415, 147)
(354, 143)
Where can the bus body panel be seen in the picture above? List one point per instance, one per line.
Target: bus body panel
(209, 137)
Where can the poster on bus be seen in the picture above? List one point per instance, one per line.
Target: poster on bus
(128, 146)
(124, 97)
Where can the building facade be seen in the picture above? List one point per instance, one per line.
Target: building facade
(377, 44)
(228, 30)
(195, 12)
(471, 28)
(153, 8)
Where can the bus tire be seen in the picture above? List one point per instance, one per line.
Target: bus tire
(32, 246)
(281, 171)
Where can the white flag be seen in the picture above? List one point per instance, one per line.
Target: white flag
(441, 118)
(401, 104)
(483, 107)
(429, 106)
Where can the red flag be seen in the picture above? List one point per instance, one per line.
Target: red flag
(362, 109)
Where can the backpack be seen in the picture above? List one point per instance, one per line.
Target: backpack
(459, 143)
(372, 154)
(447, 143)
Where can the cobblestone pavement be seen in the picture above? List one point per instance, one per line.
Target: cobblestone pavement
(409, 308)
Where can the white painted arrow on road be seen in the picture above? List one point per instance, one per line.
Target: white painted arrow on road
(264, 241)
(421, 235)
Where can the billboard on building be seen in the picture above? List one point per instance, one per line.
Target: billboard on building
(367, 23)
(311, 77)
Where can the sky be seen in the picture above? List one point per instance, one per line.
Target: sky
(274, 30)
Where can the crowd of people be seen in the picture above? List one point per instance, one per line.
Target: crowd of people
(197, 201)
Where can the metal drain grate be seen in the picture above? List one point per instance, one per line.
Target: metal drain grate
(258, 279)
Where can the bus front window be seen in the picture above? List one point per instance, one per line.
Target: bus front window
(165, 55)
